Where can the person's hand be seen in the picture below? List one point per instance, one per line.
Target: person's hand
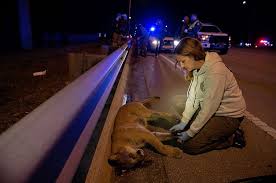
(183, 136)
(180, 126)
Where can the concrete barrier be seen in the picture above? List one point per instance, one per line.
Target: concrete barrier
(78, 63)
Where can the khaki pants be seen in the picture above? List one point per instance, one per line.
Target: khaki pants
(216, 134)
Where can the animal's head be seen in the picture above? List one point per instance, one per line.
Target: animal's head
(126, 157)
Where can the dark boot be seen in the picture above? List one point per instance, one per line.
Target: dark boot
(239, 140)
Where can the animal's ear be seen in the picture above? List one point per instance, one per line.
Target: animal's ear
(113, 160)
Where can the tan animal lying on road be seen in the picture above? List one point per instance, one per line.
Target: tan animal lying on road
(132, 130)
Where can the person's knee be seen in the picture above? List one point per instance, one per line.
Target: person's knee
(193, 148)
(192, 151)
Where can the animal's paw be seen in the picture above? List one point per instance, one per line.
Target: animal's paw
(177, 153)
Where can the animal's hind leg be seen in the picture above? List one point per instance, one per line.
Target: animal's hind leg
(160, 147)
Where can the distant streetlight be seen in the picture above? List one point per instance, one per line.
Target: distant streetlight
(129, 16)
(129, 8)
(244, 2)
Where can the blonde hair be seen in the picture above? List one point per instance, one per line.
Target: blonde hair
(190, 47)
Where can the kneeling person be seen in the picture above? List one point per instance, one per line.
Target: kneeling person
(214, 106)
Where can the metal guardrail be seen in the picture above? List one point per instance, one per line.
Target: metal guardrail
(47, 144)
(99, 169)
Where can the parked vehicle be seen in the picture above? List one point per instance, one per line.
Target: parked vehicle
(166, 45)
(212, 38)
(263, 43)
(153, 42)
(245, 44)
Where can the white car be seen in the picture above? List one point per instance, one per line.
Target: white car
(153, 42)
(212, 38)
(168, 43)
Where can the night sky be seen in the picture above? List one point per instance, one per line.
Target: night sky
(255, 18)
(249, 21)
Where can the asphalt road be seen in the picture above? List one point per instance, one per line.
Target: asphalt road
(254, 72)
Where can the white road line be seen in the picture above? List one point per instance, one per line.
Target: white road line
(259, 123)
(173, 63)
(169, 60)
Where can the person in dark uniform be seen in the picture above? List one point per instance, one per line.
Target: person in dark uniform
(159, 33)
(120, 30)
(141, 39)
(184, 28)
(194, 27)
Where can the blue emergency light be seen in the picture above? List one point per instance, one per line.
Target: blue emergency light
(152, 29)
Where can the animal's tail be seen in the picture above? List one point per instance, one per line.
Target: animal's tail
(151, 100)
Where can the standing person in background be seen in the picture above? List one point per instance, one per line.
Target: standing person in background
(159, 33)
(116, 32)
(214, 108)
(185, 27)
(123, 25)
(140, 41)
(194, 27)
(120, 30)
(143, 40)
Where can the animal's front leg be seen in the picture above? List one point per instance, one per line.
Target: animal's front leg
(156, 129)
(163, 149)
(163, 120)
(163, 136)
